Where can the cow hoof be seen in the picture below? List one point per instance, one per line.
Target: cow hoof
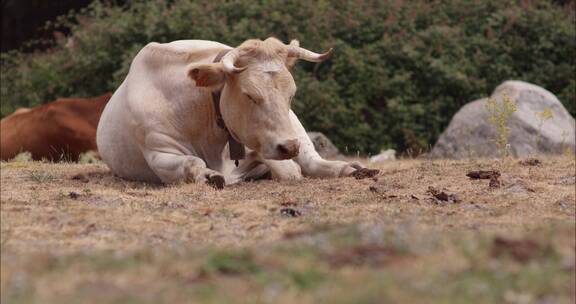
(216, 181)
(351, 168)
(356, 165)
(365, 173)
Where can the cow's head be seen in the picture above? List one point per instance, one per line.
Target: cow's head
(257, 90)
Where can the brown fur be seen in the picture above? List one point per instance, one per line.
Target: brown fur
(62, 129)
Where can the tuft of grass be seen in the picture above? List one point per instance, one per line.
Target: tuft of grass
(89, 157)
(568, 152)
(22, 157)
(41, 176)
(499, 114)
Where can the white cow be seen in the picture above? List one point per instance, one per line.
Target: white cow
(161, 124)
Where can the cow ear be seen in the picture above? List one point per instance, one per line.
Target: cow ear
(210, 75)
(291, 61)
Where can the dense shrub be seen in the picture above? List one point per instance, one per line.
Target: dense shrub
(400, 70)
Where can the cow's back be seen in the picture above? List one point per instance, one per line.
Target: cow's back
(62, 129)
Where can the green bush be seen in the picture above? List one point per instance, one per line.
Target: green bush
(401, 69)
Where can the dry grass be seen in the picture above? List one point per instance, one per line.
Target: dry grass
(98, 239)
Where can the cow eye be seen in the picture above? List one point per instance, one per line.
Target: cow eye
(251, 98)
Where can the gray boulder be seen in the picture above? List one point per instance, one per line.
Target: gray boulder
(470, 134)
(323, 145)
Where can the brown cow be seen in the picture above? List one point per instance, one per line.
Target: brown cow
(58, 130)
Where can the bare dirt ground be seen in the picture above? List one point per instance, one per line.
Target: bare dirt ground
(420, 231)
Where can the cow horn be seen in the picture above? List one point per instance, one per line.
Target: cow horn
(301, 53)
(228, 62)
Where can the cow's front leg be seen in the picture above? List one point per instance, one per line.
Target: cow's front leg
(174, 168)
(195, 171)
(170, 162)
(256, 167)
(319, 167)
(283, 169)
(311, 163)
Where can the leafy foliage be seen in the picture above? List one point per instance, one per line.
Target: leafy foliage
(401, 69)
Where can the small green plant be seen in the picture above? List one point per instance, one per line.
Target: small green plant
(89, 157)
(543, 116)
(22, 157)
(568, 152)
(41, 176)
(499, 114)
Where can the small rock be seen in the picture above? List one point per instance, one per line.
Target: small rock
(442, 195)
(73, 195)
(565, 203)
(384, 155)
(494, 183)
(519, 187)
(481, 174)
(80, 177)
(323, 145)
(365, 173)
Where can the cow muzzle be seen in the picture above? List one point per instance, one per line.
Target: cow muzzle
(288, 149)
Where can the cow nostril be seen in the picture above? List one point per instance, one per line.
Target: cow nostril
(283, 149)
(289, 149)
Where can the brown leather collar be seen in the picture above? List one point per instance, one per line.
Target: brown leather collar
(237, 150)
